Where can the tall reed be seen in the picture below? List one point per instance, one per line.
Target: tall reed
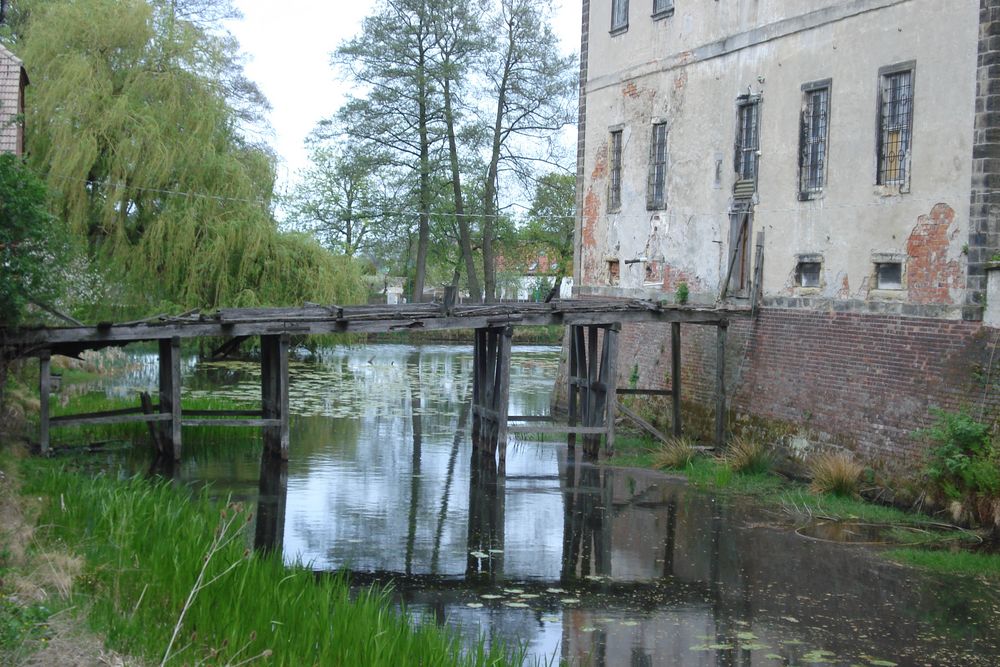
(150, 584)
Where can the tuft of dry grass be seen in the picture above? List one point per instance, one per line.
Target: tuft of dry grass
(748, 455)
(836, 473)
(675, 454)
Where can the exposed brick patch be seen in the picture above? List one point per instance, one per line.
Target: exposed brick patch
(672, 277)
(590, 262)
(865, 381)
(631, 90)
(930, 276)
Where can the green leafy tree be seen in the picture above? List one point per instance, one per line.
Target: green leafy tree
(551, 221)
(32, 243)
(392, 60)
(134, 120)
(531, 86)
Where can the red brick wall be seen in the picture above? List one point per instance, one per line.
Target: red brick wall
(865, 381)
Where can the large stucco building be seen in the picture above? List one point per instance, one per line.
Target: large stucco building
(858, 141)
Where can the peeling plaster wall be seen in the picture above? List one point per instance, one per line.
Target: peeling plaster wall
(687, 71)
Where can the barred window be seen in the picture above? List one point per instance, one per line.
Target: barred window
(895, 124)
(813, 139)
(615, 185)
(747, 139)
(656, 189)
(662, 7)
(619, 15)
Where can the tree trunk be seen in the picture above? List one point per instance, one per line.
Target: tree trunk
(465, 238)
(490, 189)
(424, 227)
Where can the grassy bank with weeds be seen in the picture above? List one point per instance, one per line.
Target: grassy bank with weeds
(832, 495)
(171, 579)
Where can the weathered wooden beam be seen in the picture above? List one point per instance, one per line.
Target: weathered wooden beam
(609, 370)
(90, 419)
(284, 343)
(579, 430)
(44, 391)
(478, 364)
(626, 391)
(209, 421)
(87, 337)
(591, 444)
(170, 393)
(675, 378)
(530, 418)
(720, 385)
(642, 423)
(503, 397)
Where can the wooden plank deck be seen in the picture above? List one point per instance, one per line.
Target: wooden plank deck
(312, 319)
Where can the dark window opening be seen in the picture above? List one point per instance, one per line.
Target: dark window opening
(895, 126)
(614, 272)
(815, 125)
(889, 275)
(662, 8)
(619, 15)
(747, 139)
(656, 189)
(615, 186)
(807, 274)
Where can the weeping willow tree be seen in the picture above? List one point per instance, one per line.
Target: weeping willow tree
(133, 117)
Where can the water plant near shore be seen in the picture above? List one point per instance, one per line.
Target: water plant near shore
(160, 570)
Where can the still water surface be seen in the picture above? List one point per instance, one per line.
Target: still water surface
(587, 565)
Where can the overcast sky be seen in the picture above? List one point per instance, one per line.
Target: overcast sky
(289, 45)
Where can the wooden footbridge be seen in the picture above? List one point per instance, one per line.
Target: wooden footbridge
(593, 326)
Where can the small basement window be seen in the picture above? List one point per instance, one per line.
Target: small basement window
(807, 274)
(889, 275)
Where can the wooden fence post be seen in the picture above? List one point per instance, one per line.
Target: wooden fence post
(170, 392)
(44, 391)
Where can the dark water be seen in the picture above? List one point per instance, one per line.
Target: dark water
(586, 565)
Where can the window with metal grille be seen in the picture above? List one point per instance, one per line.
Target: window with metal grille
(615, 185)
(619, 15)
(656, 189)
(747, 139)
(813, 138)
(662, 8)
(895, 126)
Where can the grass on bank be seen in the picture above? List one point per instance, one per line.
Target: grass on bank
(164, 569)
(923, 540)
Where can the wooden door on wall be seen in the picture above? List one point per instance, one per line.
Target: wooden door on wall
(740, 223)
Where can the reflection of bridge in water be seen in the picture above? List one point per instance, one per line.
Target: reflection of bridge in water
(593, 327)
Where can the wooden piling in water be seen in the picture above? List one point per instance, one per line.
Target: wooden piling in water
(170, 393)
(675, 378)
(720, 385)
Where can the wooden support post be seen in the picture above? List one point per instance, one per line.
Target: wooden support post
(503, 395)
(478, 364)
(269, 390)
(44, 390)
(675, 378)
(274, 391)
(573, 391)
(284, 344)
(609, 371)
(720, 386)
(591, 444)
(170, 393)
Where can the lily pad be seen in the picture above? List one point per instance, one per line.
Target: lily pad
(516, 605)
(474, 605)
(746, 636)
(491, 596)
(570, 600)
